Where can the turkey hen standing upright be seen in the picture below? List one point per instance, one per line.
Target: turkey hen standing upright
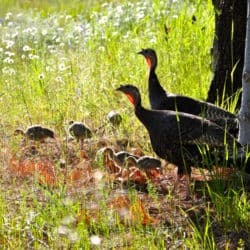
(180, 137)
(162, 100)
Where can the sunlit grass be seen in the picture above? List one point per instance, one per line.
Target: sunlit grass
(62, 61)
(68, 62)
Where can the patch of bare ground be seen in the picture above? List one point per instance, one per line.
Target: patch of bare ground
(40, 168)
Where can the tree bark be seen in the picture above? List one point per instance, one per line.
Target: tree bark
(239, 36)
(228, 49)
(244, 114)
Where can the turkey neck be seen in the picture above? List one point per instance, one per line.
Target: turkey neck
(144, 115)
(157, 95)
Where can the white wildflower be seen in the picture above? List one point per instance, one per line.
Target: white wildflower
(48, 69)
(79, 28)
(63, 230)
(68, 17)
(9, 53)
(153, 40)
(33, 57)
(15, 34)
(62, 67)
(19, 15)
(68, 220)
(27, 30)
(36, 57)
(31, 216)
(44, 32)
(26, 48)
(30, 56)
(127, 19)
(126, 35)
(103, 20)
(101, 48)
(41, 76)
(12, 71)
(33, 31)
(8, 15)
(119, 9)
(8, 71)
(58, 39)
(9, 44)
(5, 70)
(73, 236)
(95, 240)
(104, 5)
(59, 79)
(139, 15)
(52, 49)
(8, 60)
(87, 32)
(60, 29)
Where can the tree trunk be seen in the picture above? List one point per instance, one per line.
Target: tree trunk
(244, 114)
(239, 36)
(228, 49)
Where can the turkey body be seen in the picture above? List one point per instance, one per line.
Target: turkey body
(79, 131)
(184, 139)
(162, 100)
(36, 132)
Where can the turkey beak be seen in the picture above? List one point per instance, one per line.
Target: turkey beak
(141, 52)
(119, 88)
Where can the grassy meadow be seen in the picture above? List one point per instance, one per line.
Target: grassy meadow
(62, 61)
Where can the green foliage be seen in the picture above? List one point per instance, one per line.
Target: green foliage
(67, 61)
(230, 215)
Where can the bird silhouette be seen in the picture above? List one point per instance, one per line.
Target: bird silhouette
(119, 157)
(184, 139)
(79, 131)
(160, 99)
(36, 133)
(145, 162)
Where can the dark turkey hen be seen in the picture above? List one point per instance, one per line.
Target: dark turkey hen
(184, 139)
(162, 100)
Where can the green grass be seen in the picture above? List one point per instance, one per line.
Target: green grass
(62, 61)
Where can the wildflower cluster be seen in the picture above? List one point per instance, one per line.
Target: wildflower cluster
(29, 33)
(48, 55)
